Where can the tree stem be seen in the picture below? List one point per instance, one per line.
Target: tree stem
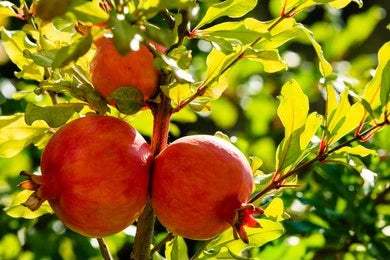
(104, 249)
(145, 225)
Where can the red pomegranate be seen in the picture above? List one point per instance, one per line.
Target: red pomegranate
(200, 187)
(110, 71)
(95, 173)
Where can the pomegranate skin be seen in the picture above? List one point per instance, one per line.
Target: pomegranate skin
(95, 174)
(199, 182)
(110, 71)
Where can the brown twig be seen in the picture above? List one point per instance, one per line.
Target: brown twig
(104, 249)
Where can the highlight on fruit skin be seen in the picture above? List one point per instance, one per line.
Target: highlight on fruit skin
(110, 71)
(200, 187)
(95, 175)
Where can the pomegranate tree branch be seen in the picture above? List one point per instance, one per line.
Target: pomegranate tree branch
(202, 88)
(104, 249)
(145, 224)
(277, 183)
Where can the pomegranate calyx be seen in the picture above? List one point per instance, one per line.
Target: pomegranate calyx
(244, 217)
(33, 182)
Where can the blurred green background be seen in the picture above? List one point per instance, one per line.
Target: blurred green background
(336, 212)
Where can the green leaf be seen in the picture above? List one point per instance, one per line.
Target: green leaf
(178, 92)
(257, 237)
(245, 31)
(372, 90)
(356, 150)
(54, 116)
(43, 59)
(256, 163)
(231, 8)
(166, 63)
(343, 3)
(126, 36)
(325, 68)
(341, 117)
(15, 135)
(72, 52)
(293, 108)
(176, 249)
(15, 42)
(88, 11)
(270, 59)
(16, 210)
(48, 9)
(275, 210)
(299, 128)
(385, 86)
(128, 100)
(282, 33)
(7, 9)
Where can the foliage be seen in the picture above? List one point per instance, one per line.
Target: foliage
(294, 110)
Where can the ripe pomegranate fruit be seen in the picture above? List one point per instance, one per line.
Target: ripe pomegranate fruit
(95, 174)
(200, 187)
(110, 71)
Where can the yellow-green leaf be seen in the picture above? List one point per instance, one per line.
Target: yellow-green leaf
(15, 134)
(325, 68)
(270, 59)
(16, 210)
(176, 249)
(293, 108)
(356, 150)
(312, 124)
(275, 210)
(231, 8)
(343, 3)
(372, 90)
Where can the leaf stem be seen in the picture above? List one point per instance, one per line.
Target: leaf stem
(104, 249)
(200, 249)
(157, 247)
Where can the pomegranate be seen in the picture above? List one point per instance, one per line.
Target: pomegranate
(95, 174)
(110, 71)
(200, 187)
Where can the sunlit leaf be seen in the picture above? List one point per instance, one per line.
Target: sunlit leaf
(257, 237)
(231, 8)
(88, 11)
(293, 108)
(270, 59)
(54, 116)
(178, 92)
(245, 31)
(15, 42)
(343, 3)
(16, 210)
(312, 124)
(15, 134)
(176, 249)
(356, 150)
(275, 210)
(325, 68)
(342, 118)
(6, 9)
(373, 89)
(385, 86)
